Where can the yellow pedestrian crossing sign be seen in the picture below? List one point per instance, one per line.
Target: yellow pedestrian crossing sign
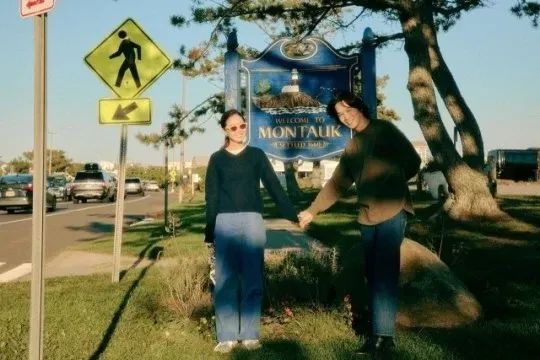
(128, 61)
(125, 111)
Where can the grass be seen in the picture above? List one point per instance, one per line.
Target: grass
(305, 316)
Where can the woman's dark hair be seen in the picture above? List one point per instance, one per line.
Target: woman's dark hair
(351, 100)
(223, 121)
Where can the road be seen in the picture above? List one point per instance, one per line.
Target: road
(69, 225)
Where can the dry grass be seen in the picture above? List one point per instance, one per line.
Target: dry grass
(187, 284)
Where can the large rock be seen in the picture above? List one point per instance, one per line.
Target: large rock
(430, 295)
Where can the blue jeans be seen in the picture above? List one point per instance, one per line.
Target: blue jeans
(240, 239)
(382, 244)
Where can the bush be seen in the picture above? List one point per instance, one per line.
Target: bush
(187, 286)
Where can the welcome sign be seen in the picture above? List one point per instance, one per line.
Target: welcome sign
(288, 96)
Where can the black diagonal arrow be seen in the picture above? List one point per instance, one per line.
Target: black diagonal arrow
(121, 114)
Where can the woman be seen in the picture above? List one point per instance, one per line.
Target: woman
(379, 160)
(233, 221)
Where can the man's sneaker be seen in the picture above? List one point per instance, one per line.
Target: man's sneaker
(225, 346)
(251, 344)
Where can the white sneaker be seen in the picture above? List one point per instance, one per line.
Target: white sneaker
(251, 344)
(225, 346)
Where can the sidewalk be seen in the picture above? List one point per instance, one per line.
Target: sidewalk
(282, 235)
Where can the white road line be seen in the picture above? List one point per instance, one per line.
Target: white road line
(72, 211)
(16, 273)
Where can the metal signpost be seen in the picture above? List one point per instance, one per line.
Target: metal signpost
(127, 49)
(38, 9)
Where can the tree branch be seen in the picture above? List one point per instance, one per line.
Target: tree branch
(314, 25)
(381, 39)
(449, 11)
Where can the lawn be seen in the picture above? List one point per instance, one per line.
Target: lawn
(144, 316)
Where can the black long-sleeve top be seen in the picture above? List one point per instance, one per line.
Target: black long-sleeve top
(233, 185)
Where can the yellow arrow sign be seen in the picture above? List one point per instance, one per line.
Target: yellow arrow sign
(125, 111)
(127, 60)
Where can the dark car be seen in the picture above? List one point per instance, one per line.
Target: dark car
(93, 184)
(134, 186)
(16, 193)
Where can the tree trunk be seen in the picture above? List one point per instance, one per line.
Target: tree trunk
(293, 190)
(466, 124)
(471, 199)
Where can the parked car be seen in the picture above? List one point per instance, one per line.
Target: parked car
(151, 185)
(58, 186)
(16, 193)
(134, 186)
(93, 184)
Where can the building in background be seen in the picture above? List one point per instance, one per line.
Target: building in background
(422, 149)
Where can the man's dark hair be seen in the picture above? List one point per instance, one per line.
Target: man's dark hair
(351, 100)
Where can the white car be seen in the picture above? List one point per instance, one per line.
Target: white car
(151, 186)
(435, 183)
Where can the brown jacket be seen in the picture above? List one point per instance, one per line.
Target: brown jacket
(379, 160)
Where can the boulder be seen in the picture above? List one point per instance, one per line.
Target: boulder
(430, 295)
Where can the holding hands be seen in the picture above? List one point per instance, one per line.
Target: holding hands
(304, 219)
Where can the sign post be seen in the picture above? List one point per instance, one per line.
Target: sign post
(128, 62)
(119, 218)
(38, 204)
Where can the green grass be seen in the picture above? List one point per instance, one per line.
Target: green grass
(305, 318)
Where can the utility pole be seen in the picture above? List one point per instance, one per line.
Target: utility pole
(182, 141)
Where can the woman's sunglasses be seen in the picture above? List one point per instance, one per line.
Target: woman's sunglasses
(234, 128)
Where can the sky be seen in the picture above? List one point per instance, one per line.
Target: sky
(493, 56)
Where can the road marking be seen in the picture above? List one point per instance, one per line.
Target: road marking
(73, 211)
(16, 273)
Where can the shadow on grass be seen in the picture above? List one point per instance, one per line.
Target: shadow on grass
(118, 314)
(272, 350)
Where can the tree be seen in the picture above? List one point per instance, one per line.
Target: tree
(420, 22)
(530, 9)
(19, 165)
(60, 162)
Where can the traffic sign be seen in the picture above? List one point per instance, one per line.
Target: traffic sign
(125, 111)
(127, 60)
(29, 8)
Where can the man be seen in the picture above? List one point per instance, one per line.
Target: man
(379, 160)
(128, 49)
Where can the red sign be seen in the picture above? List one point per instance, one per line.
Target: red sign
(35, 7)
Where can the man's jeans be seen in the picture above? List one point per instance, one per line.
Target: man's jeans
(382, 244)
(240, 239)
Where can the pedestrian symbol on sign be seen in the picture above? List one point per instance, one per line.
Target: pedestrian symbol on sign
(127, 48)
(128, 61)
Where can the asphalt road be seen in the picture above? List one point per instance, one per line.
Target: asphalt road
(70, 224)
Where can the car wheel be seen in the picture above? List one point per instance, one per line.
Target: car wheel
(84, 201)
(75, 200)
(53, 205)
(10, 211)
(442, 192)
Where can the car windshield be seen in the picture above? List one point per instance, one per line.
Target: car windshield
(133, 181)
(16, 179)
(57, 182)
(88, 175)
